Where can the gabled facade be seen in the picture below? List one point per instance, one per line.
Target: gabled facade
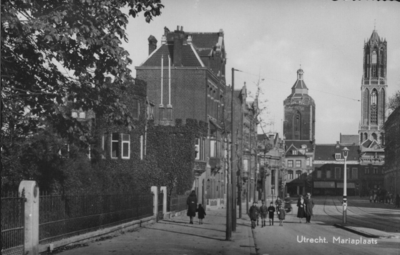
(298, 158)
(186, 80)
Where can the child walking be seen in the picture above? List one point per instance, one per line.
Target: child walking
(271, 211)
(201, 212)
(263, 213)
(281, 215)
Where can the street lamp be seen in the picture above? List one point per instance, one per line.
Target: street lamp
(345, 154)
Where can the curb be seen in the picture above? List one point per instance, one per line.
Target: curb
(362, 233)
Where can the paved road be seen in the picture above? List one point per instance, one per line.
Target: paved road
(291, 238)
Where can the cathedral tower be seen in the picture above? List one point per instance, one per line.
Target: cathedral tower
(373, 90)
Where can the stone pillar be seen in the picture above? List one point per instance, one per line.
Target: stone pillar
(31, 231)
(154, 190)
(164, 190)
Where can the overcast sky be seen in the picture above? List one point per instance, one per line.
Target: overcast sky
(272, 38)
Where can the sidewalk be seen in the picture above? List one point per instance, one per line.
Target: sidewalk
(177, 236)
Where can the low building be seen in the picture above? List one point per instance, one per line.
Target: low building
(328, 174)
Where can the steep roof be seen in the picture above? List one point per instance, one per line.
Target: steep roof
(189, 57)
(298, 144)
(374, 37)
(327, 151)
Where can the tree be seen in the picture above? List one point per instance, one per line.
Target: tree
(394, 101)
(53, 51)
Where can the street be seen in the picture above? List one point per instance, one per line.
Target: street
(368, 217)
(177, 236)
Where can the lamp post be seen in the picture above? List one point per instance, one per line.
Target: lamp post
(345, 154)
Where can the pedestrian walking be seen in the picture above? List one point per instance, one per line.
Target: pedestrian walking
(281, 215)
(201, 213)
(301, 208)
(309, 207)
(371, 195)
(253, 213)
(263, 213)
(271, 212)
(278, 202)
(191, 206)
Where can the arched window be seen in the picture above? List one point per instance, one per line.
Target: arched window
(373, 60)
(298, 173)
(365, 136)
(374, 107)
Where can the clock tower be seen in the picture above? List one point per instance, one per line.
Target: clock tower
(373, 90)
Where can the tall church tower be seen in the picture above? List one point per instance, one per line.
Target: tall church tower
(299, 123)
(373, 90)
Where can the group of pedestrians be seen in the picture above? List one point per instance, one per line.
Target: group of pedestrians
(305, 210)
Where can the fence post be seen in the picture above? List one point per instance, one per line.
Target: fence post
(31, 231)
(155, 200)
(164, 190)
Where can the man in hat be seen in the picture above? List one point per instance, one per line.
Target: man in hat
(309, 205)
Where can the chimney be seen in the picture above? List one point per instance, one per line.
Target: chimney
(179, 37)
(152, 44)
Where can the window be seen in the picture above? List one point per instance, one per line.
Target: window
(319, 174)
(298, 174)
(114, 145)
(366, 170)
(308, 162)
(298, 163)
(150, 111)
(82, 115)
(125, 146)
(213, 148)
(354, 173)
(294, 152)
(74, 114)
(89, 152)
(348, 170)
(246, 165)
(135, 109)
(290, 163)
(290, 174)
(338, 156)
(328, 174)
(375, 170)
(103, 142)
(373, 61)
(197, 148)
(338, 173)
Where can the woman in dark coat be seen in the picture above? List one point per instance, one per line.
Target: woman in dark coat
(309, 203)
(192, 205)
(301, 213)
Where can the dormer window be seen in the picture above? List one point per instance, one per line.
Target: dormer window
(82, 115)
(338, 156)
(294, 152)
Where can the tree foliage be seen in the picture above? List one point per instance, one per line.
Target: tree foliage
(57, 50)
(394, 101)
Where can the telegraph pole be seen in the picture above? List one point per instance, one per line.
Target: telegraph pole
(233, 143)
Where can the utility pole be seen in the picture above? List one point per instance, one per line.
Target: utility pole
(233, 145)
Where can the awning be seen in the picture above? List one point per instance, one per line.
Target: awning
(350, 185)
(324, 185)
(214, 125)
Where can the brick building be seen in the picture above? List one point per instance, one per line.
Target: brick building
(186, 80)
(299, 135)
(328, 171)
(392, 153)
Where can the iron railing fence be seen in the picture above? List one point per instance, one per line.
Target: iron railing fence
(177, 203)
(12, 224)
(64, 216)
